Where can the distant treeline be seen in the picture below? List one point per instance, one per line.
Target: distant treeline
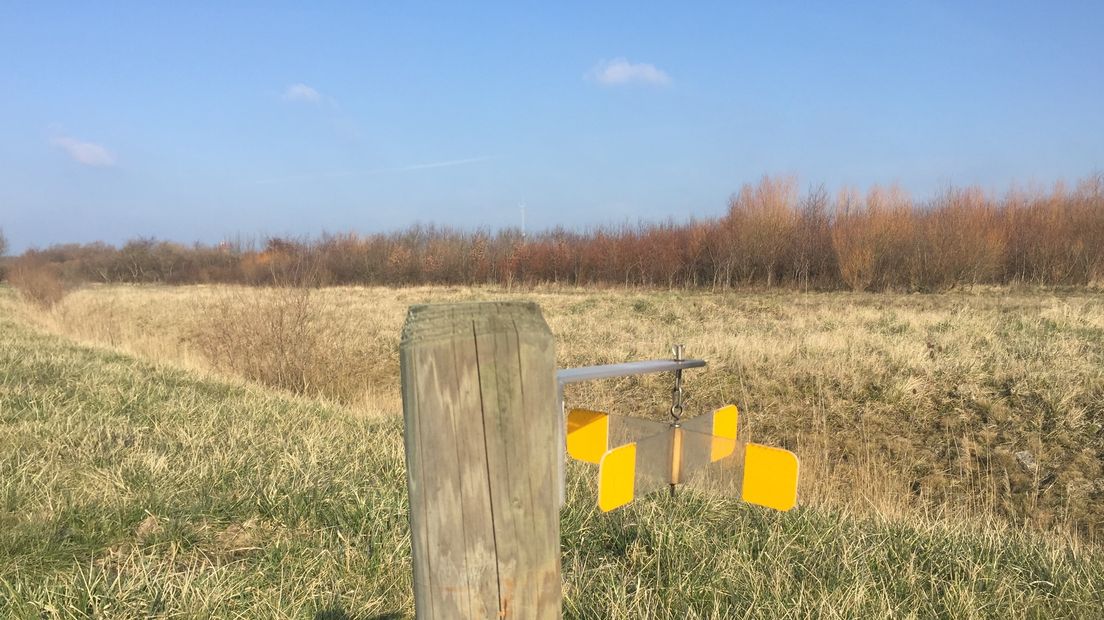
(772, 235)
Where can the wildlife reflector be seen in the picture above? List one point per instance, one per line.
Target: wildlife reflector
(642, 456)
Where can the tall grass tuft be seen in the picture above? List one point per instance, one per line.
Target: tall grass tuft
(38, 282)
(271, 338)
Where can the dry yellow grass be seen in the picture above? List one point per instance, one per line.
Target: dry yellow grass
(978, 404)
(130, 487)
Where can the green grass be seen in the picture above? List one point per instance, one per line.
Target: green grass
(134, 489)
(254, 505)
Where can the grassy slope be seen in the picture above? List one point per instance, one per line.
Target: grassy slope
(130, 490)
(977, 403)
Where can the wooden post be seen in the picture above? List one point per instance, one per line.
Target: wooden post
(479, 406)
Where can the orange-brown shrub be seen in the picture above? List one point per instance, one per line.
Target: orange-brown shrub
(1089, 206)
(873, 239)
(814, 260)
(960, 240)
(1056, 238)
(761, 222)
(769, 236)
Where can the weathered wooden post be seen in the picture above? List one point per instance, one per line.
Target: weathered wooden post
(481, 433)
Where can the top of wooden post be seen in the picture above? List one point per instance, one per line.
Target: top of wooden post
(430, 322)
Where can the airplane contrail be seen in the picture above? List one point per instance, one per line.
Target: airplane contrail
(350, 173)
(436, 164)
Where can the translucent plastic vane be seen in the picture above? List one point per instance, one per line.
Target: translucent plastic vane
(657, 462)
(590, 434)
(710, 463)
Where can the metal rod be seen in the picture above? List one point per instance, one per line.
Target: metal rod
(610, 371)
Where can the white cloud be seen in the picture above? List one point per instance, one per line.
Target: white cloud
(301, 93)
(87, 153)
(621, 72)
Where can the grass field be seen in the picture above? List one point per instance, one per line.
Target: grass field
(198, 451)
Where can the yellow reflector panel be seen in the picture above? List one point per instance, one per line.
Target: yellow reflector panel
(770, 477)
(616, 477)
(724, 432)
(587, 434)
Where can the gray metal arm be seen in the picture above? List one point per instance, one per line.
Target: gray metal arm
(610, 371)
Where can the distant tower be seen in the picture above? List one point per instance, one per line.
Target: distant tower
(522, 207)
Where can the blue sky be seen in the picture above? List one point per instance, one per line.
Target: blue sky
(204, 121)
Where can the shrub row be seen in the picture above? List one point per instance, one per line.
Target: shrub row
(771, 235)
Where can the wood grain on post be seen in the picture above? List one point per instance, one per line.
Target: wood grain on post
(479, 405)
